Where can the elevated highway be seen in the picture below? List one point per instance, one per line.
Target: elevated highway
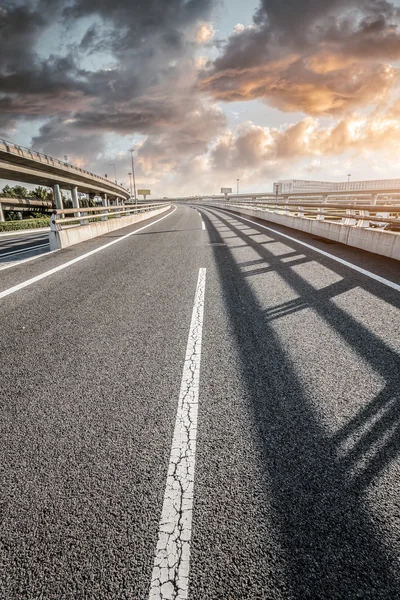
(28, 166)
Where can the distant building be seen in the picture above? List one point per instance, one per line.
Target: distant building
(297, 186)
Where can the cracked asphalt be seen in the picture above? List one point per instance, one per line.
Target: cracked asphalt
(296, 476)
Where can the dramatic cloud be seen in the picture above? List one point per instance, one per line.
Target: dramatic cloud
(310, 56)
(254, 149)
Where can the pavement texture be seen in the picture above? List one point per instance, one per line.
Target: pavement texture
(15, 248)
(296, 492)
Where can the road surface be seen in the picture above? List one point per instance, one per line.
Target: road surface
(17, 247)
(296, 472)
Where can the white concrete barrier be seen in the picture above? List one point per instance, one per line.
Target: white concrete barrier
(76, 235)
(385, 243)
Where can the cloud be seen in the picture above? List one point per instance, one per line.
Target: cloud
(254, 149)
(310, 56)
(205, 33)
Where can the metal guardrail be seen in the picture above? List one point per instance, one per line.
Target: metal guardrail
(346, 214)
(17, 150)
(103, 213)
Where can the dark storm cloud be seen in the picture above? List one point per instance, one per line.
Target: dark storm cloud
(310, 56)
(145, 40)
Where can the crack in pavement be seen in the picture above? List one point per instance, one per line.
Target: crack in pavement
(170, 578)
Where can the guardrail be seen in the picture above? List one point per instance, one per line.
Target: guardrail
(388, 217)
(16, 150)
(102, 213)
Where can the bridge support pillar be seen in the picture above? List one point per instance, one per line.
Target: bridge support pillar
(75, 200)
(374, 198)
(57, 196)
(1, 214)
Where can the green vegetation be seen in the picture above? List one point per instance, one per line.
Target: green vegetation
(25, 224)
(18, 191)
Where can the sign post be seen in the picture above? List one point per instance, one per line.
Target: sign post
(226, 191)
(144, 193)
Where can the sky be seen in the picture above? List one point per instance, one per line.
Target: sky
(205, 92)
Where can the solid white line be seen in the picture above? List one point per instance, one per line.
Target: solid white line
(170, 578)
(27, 232)
(203, 226)
(31, 249)
(386, 282)
(25, 260)
(25, 284)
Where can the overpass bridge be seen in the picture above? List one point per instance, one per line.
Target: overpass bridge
(28, 166)
(201, 406)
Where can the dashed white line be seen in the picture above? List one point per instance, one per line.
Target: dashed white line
(203, 226)
(386, 282)
(170, 578)
(28, 282)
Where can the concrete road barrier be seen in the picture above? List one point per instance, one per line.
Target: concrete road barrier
(385, 243)
(76, 235)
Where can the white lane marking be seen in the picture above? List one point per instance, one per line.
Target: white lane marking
(170, 578)
(28, 232)
(386, 282)
(25, 260)
(25, 284)
(203, 226)
(31, 249)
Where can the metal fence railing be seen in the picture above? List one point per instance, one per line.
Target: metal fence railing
(364, 215)
(84, 216)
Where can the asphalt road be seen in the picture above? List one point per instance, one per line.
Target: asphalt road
(297, 474)
(15, 248)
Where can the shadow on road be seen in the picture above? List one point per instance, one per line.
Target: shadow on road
(332, 546)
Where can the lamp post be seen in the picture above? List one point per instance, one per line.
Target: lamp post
(348, 178)
(130, 180)
(237, 186)
(133, 174)
(115, 170)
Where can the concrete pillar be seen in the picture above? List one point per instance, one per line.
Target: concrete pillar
(57, 196)
(75, 200)
(1, 214)
(374, 198)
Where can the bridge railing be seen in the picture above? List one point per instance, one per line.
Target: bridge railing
(365, 215)
(17, 150)
(103, 213)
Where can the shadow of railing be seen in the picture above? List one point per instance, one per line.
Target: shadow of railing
(332, 546)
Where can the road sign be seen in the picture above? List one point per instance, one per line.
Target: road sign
(226, 190)
(144, 192)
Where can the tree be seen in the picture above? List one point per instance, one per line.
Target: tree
(40, 193)
(8, 192)
(20, 192)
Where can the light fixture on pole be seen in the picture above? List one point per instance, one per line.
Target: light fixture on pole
(115, 170)
(130, 180)
(133, 173)
(237, 186)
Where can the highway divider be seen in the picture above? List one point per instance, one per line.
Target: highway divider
(350, 231)
(90, 223)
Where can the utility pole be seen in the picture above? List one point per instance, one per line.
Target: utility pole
(115, 170)
(237, 186)
(133, 173)
(130, 181)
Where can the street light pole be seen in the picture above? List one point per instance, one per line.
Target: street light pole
(133, 173)
(130, 180)
(237, 186)
(115, 170)
(348, 178)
